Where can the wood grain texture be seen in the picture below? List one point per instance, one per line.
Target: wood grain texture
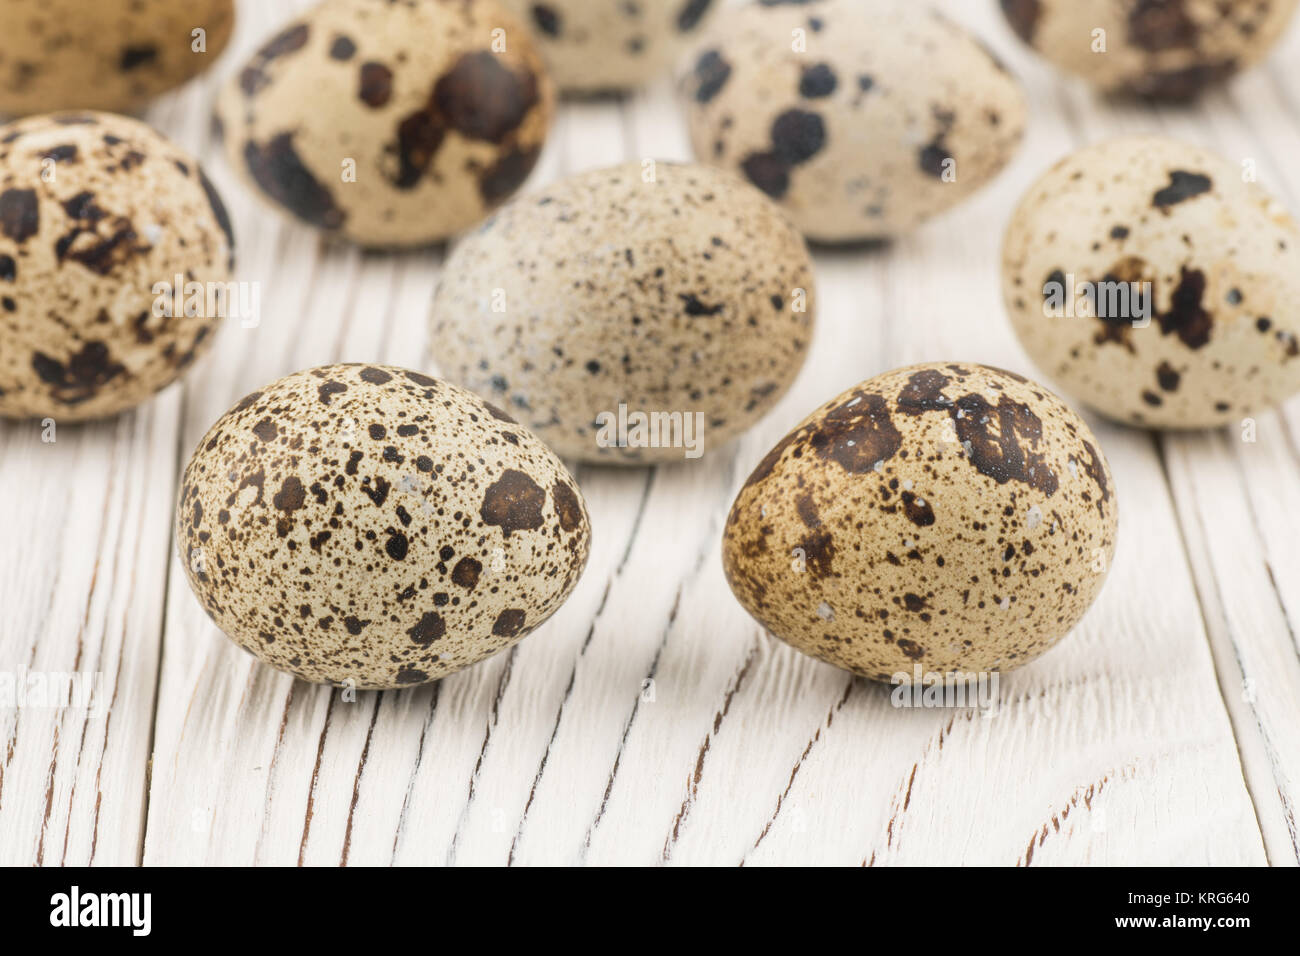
(651, 720)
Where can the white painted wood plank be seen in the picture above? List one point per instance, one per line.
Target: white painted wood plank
(269, 772)
(1239, 517)
(220, 715)
(1233, 549)
(1238, 500)
(701, 766)
(87, 522)
(533, 688)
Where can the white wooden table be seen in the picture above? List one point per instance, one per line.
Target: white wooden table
(651, 720)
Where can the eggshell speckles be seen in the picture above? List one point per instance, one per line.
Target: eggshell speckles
(81, 250)
(611, 44)
(104, 54)
(1195, 276)
(690, 294)
(368, 523)
(389, 123)
(1164, 49)
(951, 516)
(891, 115)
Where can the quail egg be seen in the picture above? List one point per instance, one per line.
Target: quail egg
(104, 227)
(1160, 49)
(863, 118)
(389, 123)
(1146, 278)
(946, 518)
(640, 313)
(104, 54)
(594, 46)
(370, 524)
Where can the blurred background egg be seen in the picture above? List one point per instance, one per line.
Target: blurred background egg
(104, 54)
(661, 288)
(863, 118)
(595, 46)
(1162, 49)
(389, 124)
(1150, 281)
(104, 226)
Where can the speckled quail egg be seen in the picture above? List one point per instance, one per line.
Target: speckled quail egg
(862, 117)
(598, 45)
(104, 54)
(370, 524)
(642, 313)
(1161, 49)
(948, 516)
(1147, 279)
(390, 122)
(99, 216)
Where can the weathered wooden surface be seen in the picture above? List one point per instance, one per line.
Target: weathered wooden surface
(651, 720)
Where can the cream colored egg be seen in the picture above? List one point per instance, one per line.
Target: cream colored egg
(593, 46)
(389, 123)
(947, 517)
(104, 227)
(863, 118)
(648, 312)
(369, 524)
(1163, 49)
(104, 54)
(1150, 281)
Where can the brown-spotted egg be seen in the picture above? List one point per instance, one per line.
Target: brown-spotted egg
(1162, 49)
(646, 289)
(593, 47)
(104, 227)
(104, 54)
(370, 524)
(949, 516)
(863, 118)
(1151, 282)
(390, 122)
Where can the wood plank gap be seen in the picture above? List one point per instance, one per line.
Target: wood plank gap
(1219, 675)
(356, 784)
(627, 727)
(177, 464)
(794, 772)
(493, 717)
(415, 770)
(315, 777)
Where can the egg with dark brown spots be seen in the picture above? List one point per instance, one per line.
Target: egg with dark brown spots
(389, 123)
(1160, 49)
(372, 525)
(593, 47)
(99, 216)
(1150, 281)
(863, 118)
(104, 54)
(949, 517)
(648, 312)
